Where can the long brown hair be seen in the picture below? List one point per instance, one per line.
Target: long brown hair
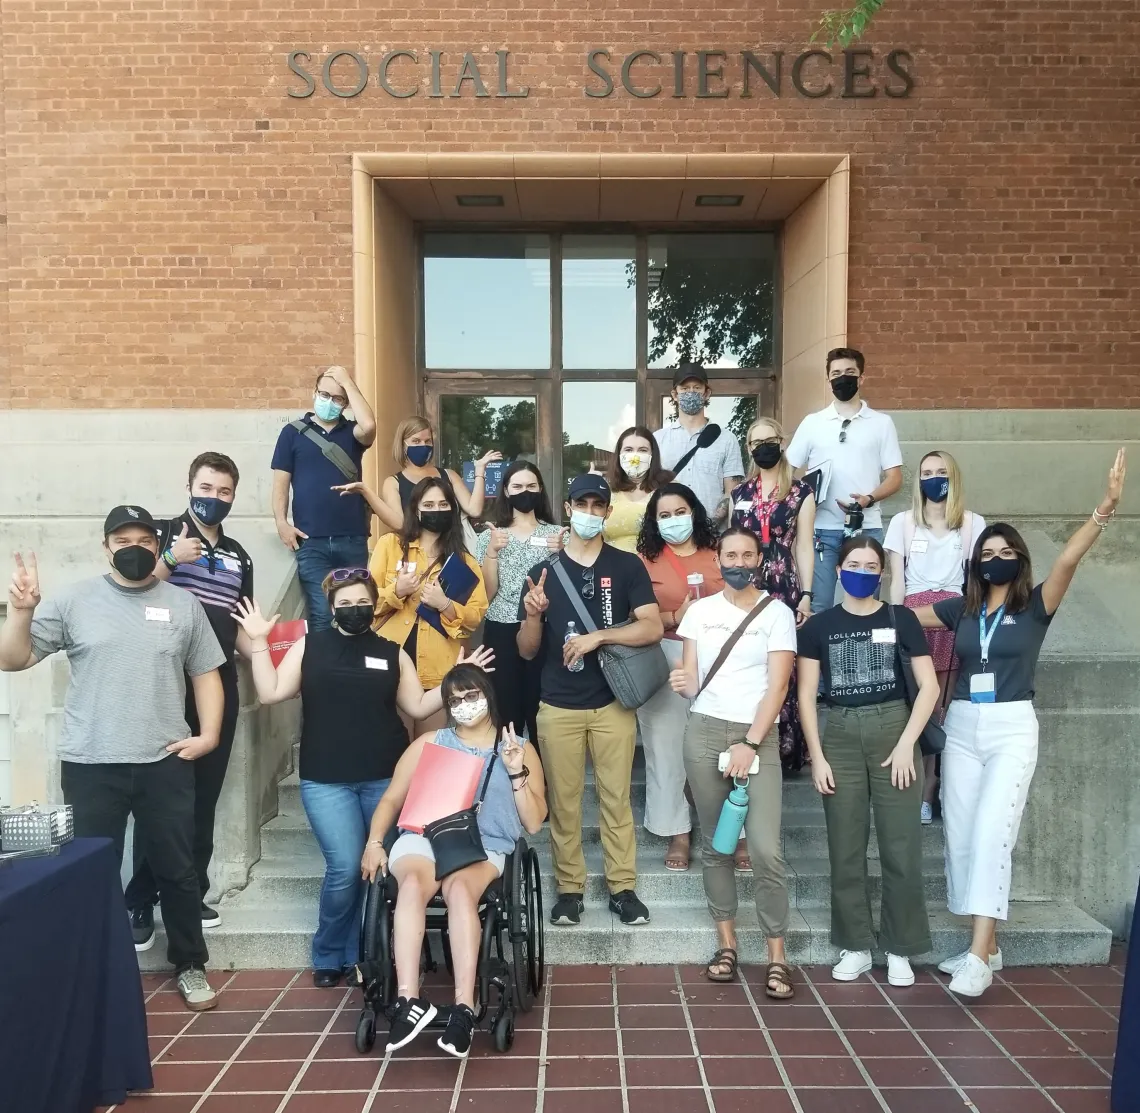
(452, 541)
(656, 477)
(501, 513)
(1021, 588)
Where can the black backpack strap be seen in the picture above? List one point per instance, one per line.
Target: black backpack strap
(575, 596)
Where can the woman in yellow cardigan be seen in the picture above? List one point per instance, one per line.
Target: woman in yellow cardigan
(406, 567)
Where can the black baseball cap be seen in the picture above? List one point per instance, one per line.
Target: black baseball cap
(690, 371)
(589, 484)
(129, 516)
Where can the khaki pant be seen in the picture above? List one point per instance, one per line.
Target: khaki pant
(706, 739)
(662, 720)
(609, 734)
(856, 741)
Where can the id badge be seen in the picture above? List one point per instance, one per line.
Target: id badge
(982, 688)
(919, 545)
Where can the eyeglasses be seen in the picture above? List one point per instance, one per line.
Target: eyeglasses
(843, 429)
(588, 584)
(469, 698)
(339, 399)
(769, 440)
(339, 575)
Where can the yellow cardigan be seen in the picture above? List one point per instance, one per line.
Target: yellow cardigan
(435, 654)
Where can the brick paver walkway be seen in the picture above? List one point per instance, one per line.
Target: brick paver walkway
(655, 1040)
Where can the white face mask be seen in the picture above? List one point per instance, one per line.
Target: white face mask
(469, 712)
(634, 464)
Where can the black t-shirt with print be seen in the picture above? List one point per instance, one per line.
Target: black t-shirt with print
(858, 654)
(1014, 650)
(621, 585)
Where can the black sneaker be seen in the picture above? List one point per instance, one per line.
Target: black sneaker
(411, 1018)
(142, 928)
(629, 908)
(211, 917)
(567, 910)
(456, 1038)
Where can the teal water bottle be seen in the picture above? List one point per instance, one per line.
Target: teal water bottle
(732, 817)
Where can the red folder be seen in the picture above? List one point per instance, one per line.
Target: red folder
(445, 782)
(283, 637)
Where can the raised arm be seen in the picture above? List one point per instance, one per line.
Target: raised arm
(472, 502)
(535, 603)
(417, 704)
(16, 653)
(273, 685)
(1065, 566)
(365, 429)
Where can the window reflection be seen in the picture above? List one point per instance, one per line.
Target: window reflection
(711, 298)
(486, 300)
(599, 302)
(593, 417)
(472, 425)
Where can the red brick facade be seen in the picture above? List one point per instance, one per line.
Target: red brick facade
(178, 227)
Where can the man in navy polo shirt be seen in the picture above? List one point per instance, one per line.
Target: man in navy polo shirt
(314, 454)
(196, 554)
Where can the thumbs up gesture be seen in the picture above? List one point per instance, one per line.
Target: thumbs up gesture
(186, 549)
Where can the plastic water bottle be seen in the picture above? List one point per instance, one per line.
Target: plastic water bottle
(696, 582)
(731, 821)
(572, 632)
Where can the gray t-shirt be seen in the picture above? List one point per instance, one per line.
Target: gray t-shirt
(130, 650)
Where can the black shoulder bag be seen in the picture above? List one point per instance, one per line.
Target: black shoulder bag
(932, 740)
(455, 839)
(706, 437)
(330, 450)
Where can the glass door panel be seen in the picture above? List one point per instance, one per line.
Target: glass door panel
(594, 415)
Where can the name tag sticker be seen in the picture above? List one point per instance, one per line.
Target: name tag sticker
(230, 564)
(376, 663)
(743, 504)
(158, 614)
(883, 635)
(538, 542)
(919, 545)
(982, 688)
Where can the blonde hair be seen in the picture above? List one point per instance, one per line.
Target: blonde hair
(783, 468)
(955, 500)
(409, 427)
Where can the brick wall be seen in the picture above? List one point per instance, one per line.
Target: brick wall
(165, 248)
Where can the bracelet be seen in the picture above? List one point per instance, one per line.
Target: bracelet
(753, 745)
(375, 842)
(1097, 517)
(168, 560)
(519, 776)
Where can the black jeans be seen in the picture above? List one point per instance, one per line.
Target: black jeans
(209, 773)
(160, 795)
(515, 680)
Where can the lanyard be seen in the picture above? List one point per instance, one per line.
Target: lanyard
(765, 509)
(984, 636)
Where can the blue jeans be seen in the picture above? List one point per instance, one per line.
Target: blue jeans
(828, 542)
(340, 816)
(316, 558)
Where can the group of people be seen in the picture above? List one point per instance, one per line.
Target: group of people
(734, 575)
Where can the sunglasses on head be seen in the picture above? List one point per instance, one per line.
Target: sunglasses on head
(339, 575)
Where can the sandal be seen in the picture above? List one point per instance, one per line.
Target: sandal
(677, 861)
(781, 974)
(715, 971)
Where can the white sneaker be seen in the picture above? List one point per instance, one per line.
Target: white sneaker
(898, 970)
(973, 978)
(927, 814)
(952, 964)
(850, 965)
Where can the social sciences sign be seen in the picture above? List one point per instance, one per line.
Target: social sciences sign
(857, 73)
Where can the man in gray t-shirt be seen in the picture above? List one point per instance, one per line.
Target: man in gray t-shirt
(131, 640)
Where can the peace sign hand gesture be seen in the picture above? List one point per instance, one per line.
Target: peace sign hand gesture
(535, 600)
(24, 590)
(512, 750)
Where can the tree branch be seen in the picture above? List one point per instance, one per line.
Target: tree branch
(841, 25)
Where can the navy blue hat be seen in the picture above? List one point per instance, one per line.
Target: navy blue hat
(589, 484)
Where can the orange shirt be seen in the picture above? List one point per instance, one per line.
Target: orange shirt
(669, 587)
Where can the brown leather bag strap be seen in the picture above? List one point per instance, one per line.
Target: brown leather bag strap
(733, 638)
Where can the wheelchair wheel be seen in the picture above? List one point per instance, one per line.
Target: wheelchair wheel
(504, 1031)
(536, 942)
(526, 929)
(365, 1031)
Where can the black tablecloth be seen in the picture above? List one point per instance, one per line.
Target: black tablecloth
(72, 1017)
(1126, 1072)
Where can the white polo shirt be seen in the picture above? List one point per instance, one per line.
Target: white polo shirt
(870, 448)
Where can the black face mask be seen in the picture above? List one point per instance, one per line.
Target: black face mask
(525, 502)
(845, 387)
(767, 455)
(133, 562)
(436, 521)
(355, 619)
(737, 578)
(1000, 570)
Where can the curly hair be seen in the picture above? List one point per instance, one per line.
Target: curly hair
(651, 544)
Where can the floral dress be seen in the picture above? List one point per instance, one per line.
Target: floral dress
(779, 578)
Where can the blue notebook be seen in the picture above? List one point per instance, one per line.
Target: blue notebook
(458, 581)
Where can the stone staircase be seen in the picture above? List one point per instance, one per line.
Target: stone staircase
(270, 922)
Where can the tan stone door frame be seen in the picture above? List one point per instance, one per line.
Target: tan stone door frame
(808, 195)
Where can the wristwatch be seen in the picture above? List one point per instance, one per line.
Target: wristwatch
(870, 502)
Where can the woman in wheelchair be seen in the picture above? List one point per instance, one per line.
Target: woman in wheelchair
(515, 800)
(351, 681)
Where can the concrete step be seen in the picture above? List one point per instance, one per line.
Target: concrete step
(297, 879)
(1037, 933)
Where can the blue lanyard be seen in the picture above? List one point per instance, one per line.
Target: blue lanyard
(984, 637)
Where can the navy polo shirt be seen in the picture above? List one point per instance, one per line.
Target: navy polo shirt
(318, 510)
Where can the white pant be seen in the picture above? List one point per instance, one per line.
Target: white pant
(662, 719)
(990, 755)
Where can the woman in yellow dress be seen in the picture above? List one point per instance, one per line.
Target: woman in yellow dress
(635, 472)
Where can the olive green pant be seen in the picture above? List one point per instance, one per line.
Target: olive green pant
(706, 739)
(856, 741)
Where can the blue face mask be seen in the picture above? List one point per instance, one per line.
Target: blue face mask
(859, 585)
(586, 526)
(676, 530)
(326, 409)
(419, 454)
(210, 511)
(936, 488)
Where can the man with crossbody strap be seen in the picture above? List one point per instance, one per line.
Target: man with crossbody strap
(314, 454)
